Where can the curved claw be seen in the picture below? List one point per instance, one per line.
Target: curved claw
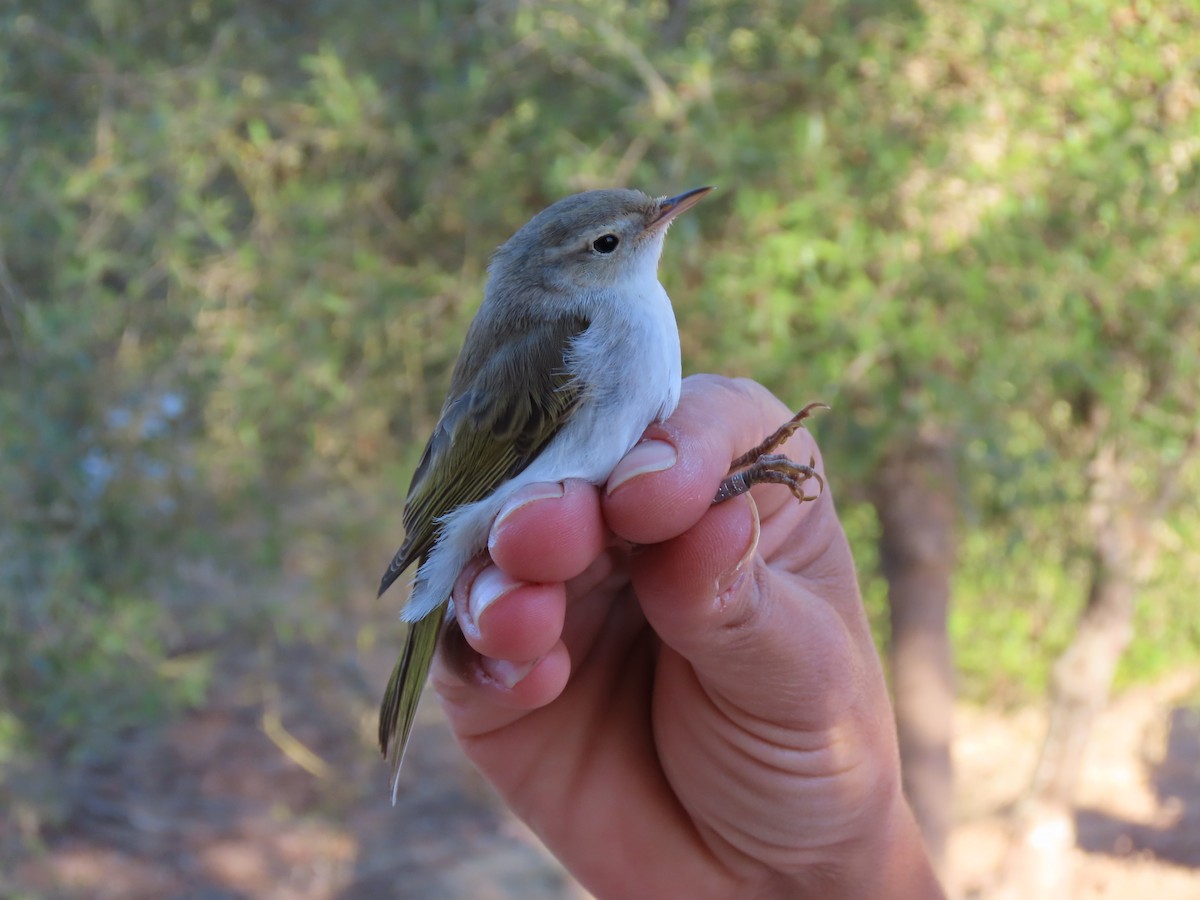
(773, 469)
(761, 466)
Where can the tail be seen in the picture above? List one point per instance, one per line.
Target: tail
(399, 706)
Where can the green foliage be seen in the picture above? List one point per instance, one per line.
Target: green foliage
(240, 243)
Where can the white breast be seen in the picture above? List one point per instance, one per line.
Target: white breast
(629, 362)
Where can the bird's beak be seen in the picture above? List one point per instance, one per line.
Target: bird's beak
(669, 208)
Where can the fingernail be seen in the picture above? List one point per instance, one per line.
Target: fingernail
(489, 586)
(526, 495)
(644, 458)
(728, 579)
(505, 672)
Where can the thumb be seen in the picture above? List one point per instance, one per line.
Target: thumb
(753, 633)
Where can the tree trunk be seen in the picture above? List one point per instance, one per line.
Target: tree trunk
(915, 496)
(1039, 863)
(674, 27)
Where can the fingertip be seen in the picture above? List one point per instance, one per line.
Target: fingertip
(509, 619)
(695, 583)
(729, 577)
(646, 458)
(648, 501)
(526, 685)
(548, 535)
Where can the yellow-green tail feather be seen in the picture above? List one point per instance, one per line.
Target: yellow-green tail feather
(399, 707)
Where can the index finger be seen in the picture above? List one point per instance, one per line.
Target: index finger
(717, 420)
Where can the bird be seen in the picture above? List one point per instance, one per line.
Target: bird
(573, 352)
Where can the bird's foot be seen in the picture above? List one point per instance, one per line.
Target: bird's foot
(761, 466)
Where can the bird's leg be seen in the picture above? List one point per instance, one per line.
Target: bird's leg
(761, 466)
(781, 434)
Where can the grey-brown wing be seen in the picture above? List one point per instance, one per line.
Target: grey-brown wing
(511, 407)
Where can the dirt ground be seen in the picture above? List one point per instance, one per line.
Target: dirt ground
(277, 793)
(1138, 812)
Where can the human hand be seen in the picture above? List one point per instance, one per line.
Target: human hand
(681, 699)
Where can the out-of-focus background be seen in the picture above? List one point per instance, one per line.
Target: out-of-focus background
(240, 241)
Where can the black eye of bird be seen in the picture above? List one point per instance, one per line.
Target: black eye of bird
(606, 243)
